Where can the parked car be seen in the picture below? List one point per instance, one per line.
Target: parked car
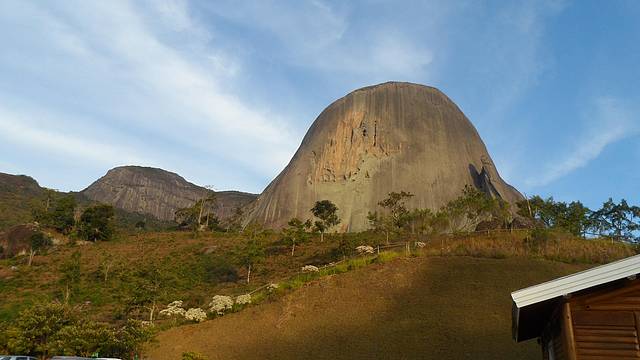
(16, 357)
(73, 358)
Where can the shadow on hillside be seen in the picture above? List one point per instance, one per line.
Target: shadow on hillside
(448, 308)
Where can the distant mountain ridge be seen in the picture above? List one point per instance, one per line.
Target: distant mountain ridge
(137, 193)
(157, 192)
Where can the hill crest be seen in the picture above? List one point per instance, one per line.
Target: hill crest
(157, 192)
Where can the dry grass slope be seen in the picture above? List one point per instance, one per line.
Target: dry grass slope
(424, 307)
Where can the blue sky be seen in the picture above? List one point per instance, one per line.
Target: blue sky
(222, 92)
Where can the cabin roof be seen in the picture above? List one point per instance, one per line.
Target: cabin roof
(532, 306)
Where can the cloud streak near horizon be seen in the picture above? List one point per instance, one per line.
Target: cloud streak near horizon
(612, 122)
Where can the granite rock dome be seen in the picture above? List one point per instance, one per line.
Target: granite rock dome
(388, 137)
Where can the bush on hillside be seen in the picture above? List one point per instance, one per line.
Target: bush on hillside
(174, 309)
(220, 304)
(191, 355)
(40, 240)
(51, 328)
(97, 223)
(195, 314)
(243, 299)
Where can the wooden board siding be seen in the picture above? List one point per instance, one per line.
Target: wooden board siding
(606, 323)
(606, 335)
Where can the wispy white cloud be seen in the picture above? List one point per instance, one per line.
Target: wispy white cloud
(612, 121)
(328, 37)
(157, 74)
(17, 128)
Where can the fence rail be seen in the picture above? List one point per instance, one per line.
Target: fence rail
(406, 244)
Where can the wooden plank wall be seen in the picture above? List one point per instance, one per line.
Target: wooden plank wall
(606, 324)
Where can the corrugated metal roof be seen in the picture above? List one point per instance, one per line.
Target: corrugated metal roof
(550, 290)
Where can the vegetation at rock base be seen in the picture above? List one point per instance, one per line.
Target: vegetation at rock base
(200, 215)
(397, 214)
(616, 221)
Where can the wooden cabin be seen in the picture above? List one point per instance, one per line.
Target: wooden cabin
(593, 314)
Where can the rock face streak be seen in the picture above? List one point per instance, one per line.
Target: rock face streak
(157, 192)
(378, 139)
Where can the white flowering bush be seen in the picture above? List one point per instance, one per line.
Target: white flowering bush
(173, 309)
(195, 314)
(220, 303)
(310, 268)
(420, 244)
(364, 249)
(243, 299)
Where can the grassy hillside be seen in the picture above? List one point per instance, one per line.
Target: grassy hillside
(422, 307)
(18, 194)
(455, 293)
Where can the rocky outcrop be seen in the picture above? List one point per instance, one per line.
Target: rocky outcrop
(378, 139)
(157, 192)
(16, 240)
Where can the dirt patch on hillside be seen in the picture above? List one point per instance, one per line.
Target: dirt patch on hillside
(428, 308)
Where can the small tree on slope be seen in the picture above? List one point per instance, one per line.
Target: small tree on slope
(326, 212)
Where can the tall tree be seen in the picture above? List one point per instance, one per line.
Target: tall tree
(573, 217)
(381, 224)
(326, 212)
(617, 221)
(198, 215)
(397, 214)
(146, 287)
(251, 252)
(234, 223)
(207, 204)
(395, 204)
(470, 208)
(71, 271)
(39, 241)
(56, 212)
(97, 223)
(296, 233)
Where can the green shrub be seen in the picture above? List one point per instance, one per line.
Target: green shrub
(386, 256)
(192, 355)
(40, 240)
(97, 223)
